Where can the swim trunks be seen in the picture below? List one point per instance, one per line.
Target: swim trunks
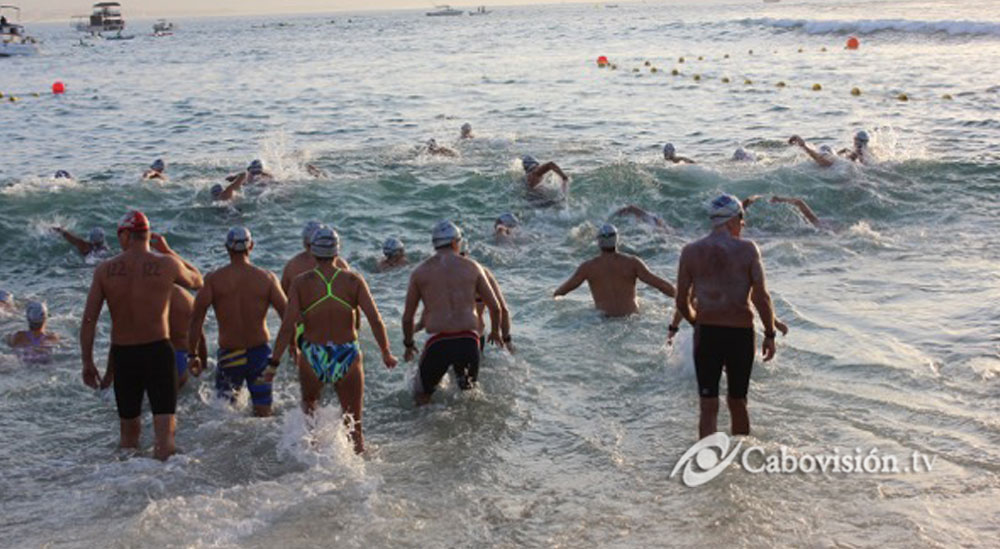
(459, 350)
(181, 361)
(330, 361)
(716, 347)
(238, 366)
(149, 369)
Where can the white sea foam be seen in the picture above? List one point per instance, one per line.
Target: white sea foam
(871, 26)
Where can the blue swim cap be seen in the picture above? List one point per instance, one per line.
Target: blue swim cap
(669, 151)
(96, 236)
(392, 246)
(444, 233)
(36, 312)
(256, 167)
(529, 162)
(724, 208)
(158, 165)
(239, 239)
(217, 190)
(62, 174)
(862, 137)
(508, 220)
(607, 237)
(743, 155)
(6, 297)
(309, 229)
(324, 243)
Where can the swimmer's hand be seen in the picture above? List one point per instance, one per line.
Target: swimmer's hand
(108, 379)
(768, 348)
(781, 326)
(389, 360)
(495, 339)
(91, 377)
(195, 366)
(267, 376)
(796, 140)
(158, 242)
(410, 353)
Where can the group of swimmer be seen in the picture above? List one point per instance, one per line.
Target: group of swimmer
(157, 337)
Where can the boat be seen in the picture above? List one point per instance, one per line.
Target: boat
(13, 39)
(162, 27)
(481, 10)
(106, 17)
(445, 10)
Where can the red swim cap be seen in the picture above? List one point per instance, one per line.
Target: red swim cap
(134, 222)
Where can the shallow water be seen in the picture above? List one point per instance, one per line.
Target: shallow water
(570, 442)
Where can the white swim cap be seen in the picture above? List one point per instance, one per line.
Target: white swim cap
(6, 297)
(528, 162)
(724, 208)
(392, 246)
(826, 150)
(239, 239)
(96, 236)
(309, 229)
(508, 220)
(36, 312)
(324, 242)
(607, 237)
(669, 151)
(466, 128)
(444, 233)
(743, 155)
(862, 137)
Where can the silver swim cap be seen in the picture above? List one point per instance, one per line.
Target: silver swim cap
(324, 242)
(239, 239)
(607, 237)
(6, 297)
(669, 151)
(743, 155)
(466, 128)
(826, 150)
(528, 162)
(96, 236)
(392, 246)
(308, 231)
(862, 137)
(444, 233)
(256, 167)
(36, 312)
(508, 220)
(724, 208)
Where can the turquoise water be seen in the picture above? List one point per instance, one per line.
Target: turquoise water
(570, 442)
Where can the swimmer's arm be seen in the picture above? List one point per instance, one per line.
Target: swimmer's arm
(277, 296)
(748, 201)
(80, 244)
(818, 158)
(579, 277)
(485, 292)
(202, 300)
(409, 309)
(230, 190)
(684, 159)
(368, 306)
(88, 329)
(801, 205)
(645, 275)
(188, 276)
(293, 313)
(684, 284)
(761, 298)
(504, 311)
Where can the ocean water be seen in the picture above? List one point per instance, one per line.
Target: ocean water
(570, 442)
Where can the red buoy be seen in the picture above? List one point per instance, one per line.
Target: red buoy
(601, 61)
(58, 87)
(853, 43)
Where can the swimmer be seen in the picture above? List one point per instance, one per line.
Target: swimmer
(670, 155)
(303, 261)
(225, 193)
(240, 294)
(642, 215)
(743, 155)
(157, 170)
(448, 284)
(437, 150)
(466, 131)
(181, 311)
(505, 337)
(62, 174)
(395, 255)
(803, 208)
(725, 274)
(255, 173)
(315, 172)
(534, 172)
(611, 277)
(824, 157)
(34, 345)
(503, 227)
(6, 301)
(860, 153)
(324, 301)
(95, 243)
(137, 285)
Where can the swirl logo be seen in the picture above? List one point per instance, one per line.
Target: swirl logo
(711, 455)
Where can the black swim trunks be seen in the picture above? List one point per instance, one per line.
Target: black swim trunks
(716, 347)
(459, 350)
(145, 369)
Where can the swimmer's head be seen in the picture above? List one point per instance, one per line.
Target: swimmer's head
(432, 144)
(669, 151)
(743, 155)
(217, 191)
(308, 231)
(392, 247)
(256, 167)
(607, 238)
(723, 208)
(36, 313)
(158, 165)
(826, 150)
(133, 222)
(466, 129)
(861, 139)
(506, 219)
(62, 174)
(528, 162)
(239, 240)
(445, 234)
(96, 236)
(324, 243)
(6, 297)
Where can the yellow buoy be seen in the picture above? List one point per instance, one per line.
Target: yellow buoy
(747, 81)
(36, 94)
(652, 69)
(680, 60)
(648, 63)
(855, 91)
(13, 99)
(946, 97)
(750, 52)
(675, 72)
(700, 58)
(780, 84)
(817, 87)
(725, 80)
(903, 97)
(697, 77)
(635, 70)
(823, 48)
(613, 66)
(725, 56)
(800, 50)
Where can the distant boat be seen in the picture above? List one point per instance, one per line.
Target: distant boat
(13, 40)
(445, 10)
(481, 10)
(106, 17)
(162, 27)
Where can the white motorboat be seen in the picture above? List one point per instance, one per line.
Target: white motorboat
(162, 27)
(445, 10)
(481, 10)
(13, 39)
(106, 17)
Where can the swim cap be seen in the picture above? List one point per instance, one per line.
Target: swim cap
(62, 174)
(861, 136)
(239, 239)
(444, 233)
(743, 155)
(256, 167)
(392, 246)
(158, 165)
(529, 162)
(309, 229)
(825, 150)
(724, 208)
(96, 236)
(466, 128)
(324, 242)
(508, 220)
(6, 297)
(134, 222)
(36, 312)
(607, 237)
(432, 143)
(669, 151)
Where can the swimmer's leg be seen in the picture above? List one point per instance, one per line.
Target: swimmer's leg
(739, 414)
(708, 420)
(351, 392)
(312, 387)
(164, 425)
(130, 431)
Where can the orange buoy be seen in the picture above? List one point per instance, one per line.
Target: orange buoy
(853, 43)
(58, 87)
(602, 61)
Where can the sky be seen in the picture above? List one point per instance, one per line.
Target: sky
(58, 10)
